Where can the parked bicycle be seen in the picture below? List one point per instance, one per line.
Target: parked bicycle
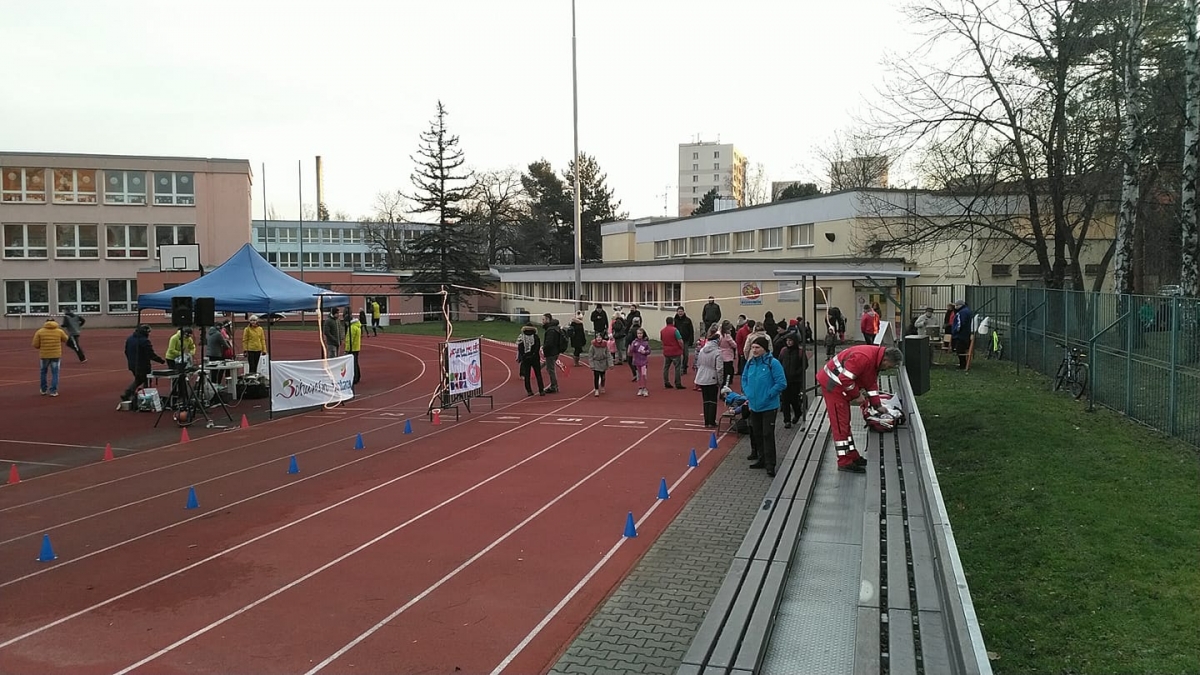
(1072, 372)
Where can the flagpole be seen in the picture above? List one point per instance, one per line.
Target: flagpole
(578, 231)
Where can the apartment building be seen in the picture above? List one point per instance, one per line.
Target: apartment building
(704, 166)
(79, 230)
(325, 244)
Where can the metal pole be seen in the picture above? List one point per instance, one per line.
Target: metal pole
(578, 230)
(1173, 374)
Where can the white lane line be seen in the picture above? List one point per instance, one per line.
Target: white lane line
(25, 461)
(331, 563)
(586, 578)
(453, 573)
(231, 548)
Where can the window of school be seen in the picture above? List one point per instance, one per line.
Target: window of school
(25, 241)
(75, 241)
(122, 296)
(80, 295)
(125, 187)
(75, 186)
(27, 297)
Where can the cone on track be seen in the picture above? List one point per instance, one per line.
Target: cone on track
(437, 417)
(630, 527)
(712, 441)
(13, 476)
(662, 490)
(108, 455)
(245, 422)
(47, 553)
(692, 459)
(183, 438)
(292, 466)
(192, 502)
(408, 426)
(358, 443)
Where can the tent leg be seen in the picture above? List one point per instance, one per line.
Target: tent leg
(270, 399)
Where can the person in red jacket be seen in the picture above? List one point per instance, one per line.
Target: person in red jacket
(844, 381)
(869, 324)
(672, 348)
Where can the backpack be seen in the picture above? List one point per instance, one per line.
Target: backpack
(893, 418)
(556, 341)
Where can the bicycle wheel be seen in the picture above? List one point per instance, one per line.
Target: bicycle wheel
(1060, 376)
(1080, 382)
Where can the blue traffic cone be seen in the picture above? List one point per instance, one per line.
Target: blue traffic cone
(408, 426)
(192, 502)
(712, 441)
(358, 443)
(630, 527)
(292, 466)
(47, 553)
(692, 459)
(662, 490)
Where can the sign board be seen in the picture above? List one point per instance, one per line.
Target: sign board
(789, 290)
(303, 384)
(751, 293)
(466, 373)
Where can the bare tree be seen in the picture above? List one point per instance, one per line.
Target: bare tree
(756, 189)
(1133, 142)
(856, 158)
(272, 213)
(383, 230)
(342, 216)
(494, 208)
(1189, 269)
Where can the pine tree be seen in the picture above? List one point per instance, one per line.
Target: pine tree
(708, 203)
(446, 255)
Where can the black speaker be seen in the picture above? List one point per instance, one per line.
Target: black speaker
(181, 311)
(206, 312)
(918, 359)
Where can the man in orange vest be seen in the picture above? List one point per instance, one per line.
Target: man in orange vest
(845, 379)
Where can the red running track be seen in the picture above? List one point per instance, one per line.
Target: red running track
(463, 547)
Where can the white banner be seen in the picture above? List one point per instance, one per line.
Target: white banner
(303, 384)
(466, 373)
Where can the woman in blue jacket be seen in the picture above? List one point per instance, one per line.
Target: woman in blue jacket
(762, 383)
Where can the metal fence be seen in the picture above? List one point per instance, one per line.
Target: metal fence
(1143, 352)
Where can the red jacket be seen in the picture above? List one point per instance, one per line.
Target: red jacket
(740, 338)
(869, 323)
(853, 371)
(671, 344)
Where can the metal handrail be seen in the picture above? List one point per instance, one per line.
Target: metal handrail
(1018, 322)
(1092, 360)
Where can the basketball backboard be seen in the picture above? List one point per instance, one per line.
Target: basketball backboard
(179, 258)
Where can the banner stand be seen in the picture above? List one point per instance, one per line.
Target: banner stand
(462, 377)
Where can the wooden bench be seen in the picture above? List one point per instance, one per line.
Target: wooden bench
(737, 627)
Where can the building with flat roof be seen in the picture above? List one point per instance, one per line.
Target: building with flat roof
(705, 166)
(80, 230)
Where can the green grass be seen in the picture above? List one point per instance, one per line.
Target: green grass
(1079, 532)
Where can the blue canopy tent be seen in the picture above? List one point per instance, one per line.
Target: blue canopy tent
(247, 283)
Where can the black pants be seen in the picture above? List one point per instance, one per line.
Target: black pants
(73, 343)
(961, 347)
(793, 411)
(139, 381)
(708, 393)
(727, 374)
(252, 360)
(357, 372)
(597, 379)
(762, 436)
(528, 367)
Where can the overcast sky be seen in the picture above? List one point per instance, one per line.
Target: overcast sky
(356, 81)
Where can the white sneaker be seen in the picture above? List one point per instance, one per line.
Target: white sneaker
(601, 390)
(595, 392)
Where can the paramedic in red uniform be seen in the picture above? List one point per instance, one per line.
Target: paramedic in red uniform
(844, 380)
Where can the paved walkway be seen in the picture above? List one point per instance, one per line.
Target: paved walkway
(649, 621)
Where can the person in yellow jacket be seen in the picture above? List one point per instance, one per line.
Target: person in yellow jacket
(181, 352)
(254, 343)
(375, 318)
(49, 341)
(354, 344)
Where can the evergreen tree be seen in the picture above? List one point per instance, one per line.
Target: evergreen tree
(798, 191)
(546, 232)
(596, 206)
(447, 254)
(708, 203)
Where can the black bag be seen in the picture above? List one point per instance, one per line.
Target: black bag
(742, 426)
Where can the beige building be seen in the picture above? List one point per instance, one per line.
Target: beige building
(735, 256)
(79, 229)
(704, 166)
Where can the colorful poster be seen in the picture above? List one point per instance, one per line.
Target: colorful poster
(466, 373)
(303, 384)
(751, 293)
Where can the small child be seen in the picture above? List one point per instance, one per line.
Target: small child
(601, 360)
(639, 359)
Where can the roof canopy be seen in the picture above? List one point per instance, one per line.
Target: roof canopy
(848, 273)
(248, 283)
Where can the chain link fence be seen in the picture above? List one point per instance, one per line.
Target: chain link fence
(1143, 352)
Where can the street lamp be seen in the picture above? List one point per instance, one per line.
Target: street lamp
(578, 230)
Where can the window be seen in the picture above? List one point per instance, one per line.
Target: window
(695, 155)
(174, 188)
(81, 295)
(648, 295)
(743, 241)
(1029, 270)
(1002, 270)
(771, 239)
(693, 189)
(350, 236)
(284, 259)
(124, 187)
(716, 179)
(310, 260)
(717, 154)
(126, 241)
(696, 200)
(695, 167)
(1093, 269)
(695, 179)
(312, 235)
(76, 241)
(800, 235)
(287, 235)
(716, 166)
(331, 260)
(75, 186)
(24, 241)
(122, 296)
(329, 235)
(720, 243)
(662, 249)
(679, 247)
(699, 245)
(672, 294)
(26, 297)
(24, 185)
(173, 234)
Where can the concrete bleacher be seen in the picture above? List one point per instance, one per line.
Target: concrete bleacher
(810, 591)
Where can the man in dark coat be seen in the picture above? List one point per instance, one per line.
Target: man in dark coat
(138, 355)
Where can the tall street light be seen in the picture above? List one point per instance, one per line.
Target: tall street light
(578, 230)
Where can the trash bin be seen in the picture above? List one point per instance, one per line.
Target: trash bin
(918, 359)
